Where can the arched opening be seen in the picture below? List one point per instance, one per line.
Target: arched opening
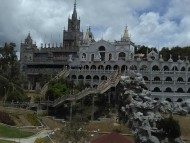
(95, 86)
(189, 69)
(124, 68)
(183, 69)
(116, 67)
(103, 77)
(157, 78)
(168, 79)
(145, 78)
(156, 89)
(155, 68)
(74, 77)
(81, 77)
(101, 67)
(86, 67)
(168, 89)
(188, 79)
(110, 57)
(180, 79)
(180, 90)
(157, 99)
(102, 53)
(96, 78)
(174, 68)
(179, 100)
(83, 56)
(108, 67)
(88, 77)
(92, 57)
(93, 67)
(168, 99)
(166, 68)
(133, 67)
(188, 90)
(122, 56)
(143, 68)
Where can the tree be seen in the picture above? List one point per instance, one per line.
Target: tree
(75, 131)
(10, 77)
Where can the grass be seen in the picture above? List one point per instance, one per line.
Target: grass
(3, 141)
(8, 132)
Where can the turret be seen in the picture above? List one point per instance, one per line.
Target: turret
(125, 35)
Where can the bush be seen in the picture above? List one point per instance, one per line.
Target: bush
(6, 119)
(33, 119)
(170, 128)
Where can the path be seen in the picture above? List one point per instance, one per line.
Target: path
(31, 139)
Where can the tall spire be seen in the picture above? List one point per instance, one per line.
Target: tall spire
(74, 15)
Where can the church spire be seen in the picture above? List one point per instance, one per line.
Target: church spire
(74, 15)
(126, 35)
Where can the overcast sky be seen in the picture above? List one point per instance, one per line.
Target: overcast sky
(155, 23)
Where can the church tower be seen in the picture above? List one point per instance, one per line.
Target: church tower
(73, 36)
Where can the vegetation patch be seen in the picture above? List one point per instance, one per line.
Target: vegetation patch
(9, 132)
(32, 118)
(6, 119)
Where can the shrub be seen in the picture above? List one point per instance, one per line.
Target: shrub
(33, 119)
(6, 119)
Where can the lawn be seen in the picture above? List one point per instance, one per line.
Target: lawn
(8, 132)
(2, 141)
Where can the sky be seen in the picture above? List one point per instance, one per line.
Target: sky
(154, 23)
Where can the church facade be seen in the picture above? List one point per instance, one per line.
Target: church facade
(93, 62)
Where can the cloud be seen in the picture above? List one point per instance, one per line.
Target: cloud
(153, 23)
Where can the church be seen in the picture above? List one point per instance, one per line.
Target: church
(95, 62)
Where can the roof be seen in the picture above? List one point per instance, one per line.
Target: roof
(112, 138)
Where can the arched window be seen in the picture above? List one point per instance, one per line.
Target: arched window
(74, 77)
(188, 90)
(145, 78)
(83, 56)
(116, 67)
(189, 69)
(95, 78)
(88, 77)
(95, 86)
(110, 56)
(156, 78)
(174, 68)
(81, 77)
(180, 90)
(166, 68)
(156, 89)
(179, 100)
(123, 68)
(155, 68)
(101, 67)
(93, 67)
(103, 77)
(188, 79)
(143, 68)
(102, 53)
(122, 56)
(86, 67)
(108, 67)
(180, 79)
(183, 69)
(156, 99)
(133, 67)
(168, 99)
(168, 79)
(168, 89)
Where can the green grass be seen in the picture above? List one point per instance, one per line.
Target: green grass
(8, 132)
(2, 141)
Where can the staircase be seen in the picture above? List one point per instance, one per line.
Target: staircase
(103, 87)
(63, 73)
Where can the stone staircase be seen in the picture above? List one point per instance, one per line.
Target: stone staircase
(103, 87)
(63, 73)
